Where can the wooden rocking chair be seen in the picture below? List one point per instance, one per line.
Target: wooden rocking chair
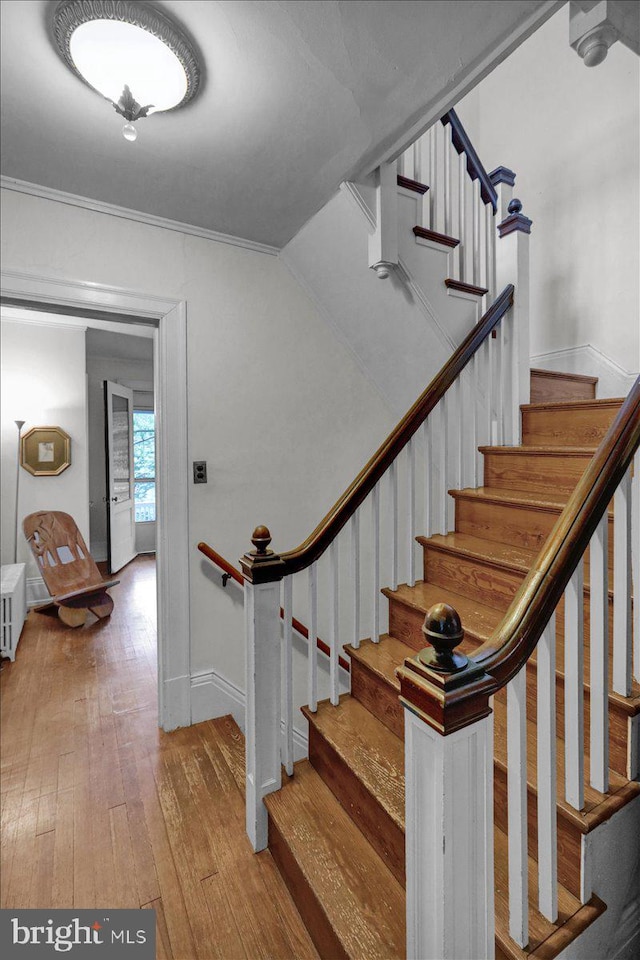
(68, 569)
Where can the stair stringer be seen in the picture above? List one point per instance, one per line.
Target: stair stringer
(401, 330)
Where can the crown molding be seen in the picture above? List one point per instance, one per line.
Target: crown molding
(125, 213)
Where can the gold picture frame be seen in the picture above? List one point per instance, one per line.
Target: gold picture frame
(45, 451)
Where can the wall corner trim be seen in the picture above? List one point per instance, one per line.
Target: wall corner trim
(113, 210)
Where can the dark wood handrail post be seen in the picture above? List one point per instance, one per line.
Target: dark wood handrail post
(449, 796)
(263, 571)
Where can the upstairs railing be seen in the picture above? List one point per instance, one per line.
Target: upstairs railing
(462, 201)
(449, 694)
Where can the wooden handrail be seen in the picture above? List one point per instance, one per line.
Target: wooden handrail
(234, 574)
(229, 571)
(475, 169)
(328, 529)
(504, 654)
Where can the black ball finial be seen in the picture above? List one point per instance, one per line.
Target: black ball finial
(515, 205)
(443, 631)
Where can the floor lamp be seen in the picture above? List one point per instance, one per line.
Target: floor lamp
(19, 425)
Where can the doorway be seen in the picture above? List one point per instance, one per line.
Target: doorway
(64, 301)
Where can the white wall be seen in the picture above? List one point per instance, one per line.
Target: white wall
(571, 135)
(44, 384)
(277, 406)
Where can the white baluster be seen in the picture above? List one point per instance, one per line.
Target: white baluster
(439, 181)
(635, 562)
(622, 647)
(546, 736)
(287, 674)
(476, 218)
(401, 164)
(462, 214)
(375, 534)
(469, 199)
(395, 523)
(574, 688)
(517, 808)
(478, 463)
(434, 203)
(459, 434)
(443, 451)
(488, 365)
(312, 695)
(489, 253)
(355, 576)
(448, 223)
(334, 672)
(500, 375)
(599, 657)
(411, 503)
(428, 476)
(421, 161)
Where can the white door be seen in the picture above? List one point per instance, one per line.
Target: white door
(121, 515)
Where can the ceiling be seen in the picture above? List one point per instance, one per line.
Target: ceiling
(298, 95)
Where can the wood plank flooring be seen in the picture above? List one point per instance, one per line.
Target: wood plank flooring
(101, 808)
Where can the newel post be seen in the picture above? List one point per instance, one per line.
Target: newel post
(383, 242)
(512, 266)
(449, 797)
(262, 570)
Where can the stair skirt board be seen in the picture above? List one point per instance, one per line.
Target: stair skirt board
(336, 829)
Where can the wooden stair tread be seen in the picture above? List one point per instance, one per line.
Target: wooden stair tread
(546, 939)
(463, 287)
(508, 555)
(362, 901)
(383, 657)
(555, 374)
(568, 405)
(515, 497)
(541, 450)
(373, 754)
(480, 620)
(495, 553)
(409, 184)
(598, 806)
(435, 237)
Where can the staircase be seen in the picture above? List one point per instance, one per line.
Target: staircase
(336, 828)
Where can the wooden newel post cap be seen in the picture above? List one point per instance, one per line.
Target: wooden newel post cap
(443, 632)
(262, 565)
(515, 206)
(261, 539)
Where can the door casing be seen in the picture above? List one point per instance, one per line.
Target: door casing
(169, 317)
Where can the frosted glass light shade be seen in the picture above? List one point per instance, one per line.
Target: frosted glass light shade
(112, 53)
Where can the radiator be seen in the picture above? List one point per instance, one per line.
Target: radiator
(14, 607)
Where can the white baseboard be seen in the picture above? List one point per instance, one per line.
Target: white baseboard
(214, 696)
(613, 380)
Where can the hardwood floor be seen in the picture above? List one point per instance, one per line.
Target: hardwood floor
(101, 808)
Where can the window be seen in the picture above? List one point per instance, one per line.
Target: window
(144, 465)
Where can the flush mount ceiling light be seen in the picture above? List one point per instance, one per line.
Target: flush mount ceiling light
(130, 53)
